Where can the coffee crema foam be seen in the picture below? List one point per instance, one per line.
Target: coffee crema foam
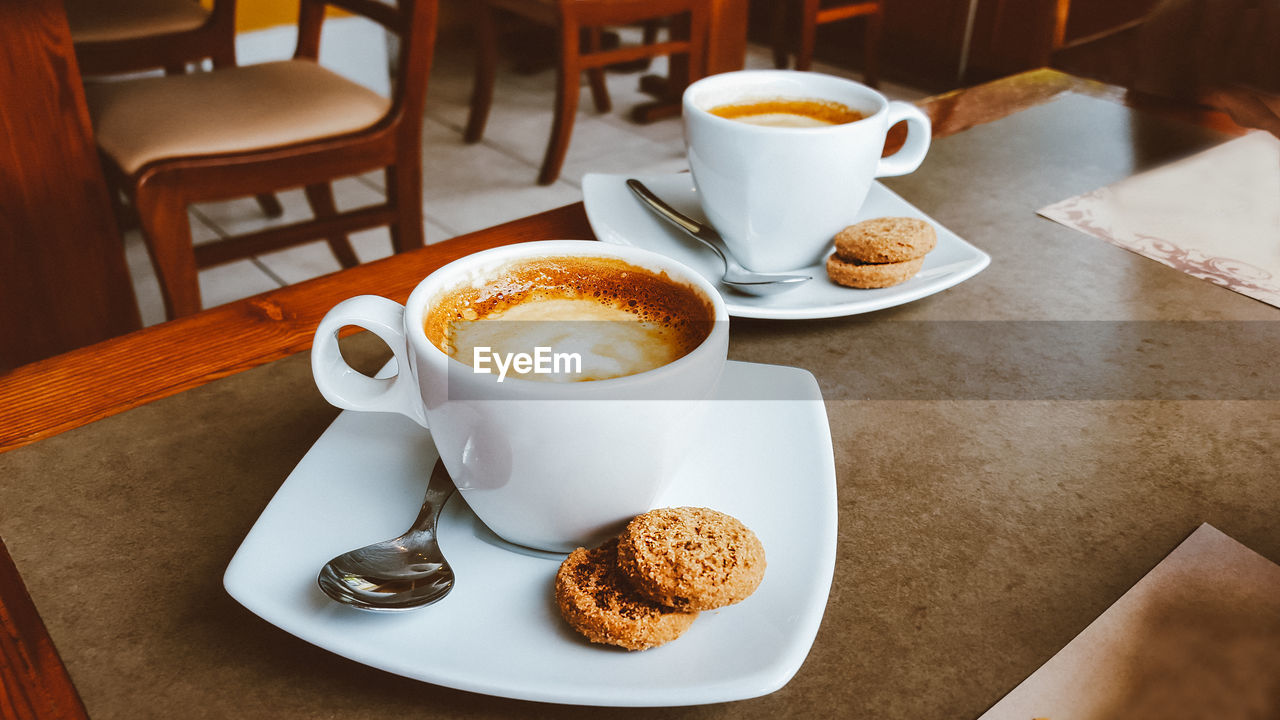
(620, 319)
(789, 112)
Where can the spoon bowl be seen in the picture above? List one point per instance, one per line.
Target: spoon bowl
(735, 276)
(403, 573)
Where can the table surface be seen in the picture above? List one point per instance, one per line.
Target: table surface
(985, 517)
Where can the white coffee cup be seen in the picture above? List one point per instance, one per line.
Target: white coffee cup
(778, 195)
(551, 466)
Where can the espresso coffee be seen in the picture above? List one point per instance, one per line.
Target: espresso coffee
(604, 317)
(789, 112)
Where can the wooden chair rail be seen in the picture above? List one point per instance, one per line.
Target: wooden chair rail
(833, 14)
(609, 57)
(264, 241)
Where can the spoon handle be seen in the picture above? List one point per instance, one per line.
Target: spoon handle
(695, 229)
(439, 488)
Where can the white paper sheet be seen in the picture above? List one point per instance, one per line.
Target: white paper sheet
(1214, 215)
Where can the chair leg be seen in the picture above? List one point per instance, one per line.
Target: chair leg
(781, 36)
(568, 82)
(486, 62)
(320, 198)
(162, 215)
(871, 61)
(595, 75)
(650, 35)
(225, 55)
(270, 205)
(404, 191)
(699, 27)
(125, 214)
(808, 34)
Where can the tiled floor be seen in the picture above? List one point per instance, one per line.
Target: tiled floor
(465, 187)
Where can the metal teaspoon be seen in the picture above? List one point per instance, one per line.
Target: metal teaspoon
(735, 276)
(399, 574)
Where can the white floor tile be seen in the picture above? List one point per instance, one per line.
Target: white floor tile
(233, 281)
(218, 285)
(145, 285)
(470, 187)
(242, 215)
(303, 262)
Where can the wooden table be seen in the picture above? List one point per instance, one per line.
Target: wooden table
(49, 397)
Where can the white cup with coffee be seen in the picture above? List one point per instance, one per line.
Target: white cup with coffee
(783, 160)
(549, 453)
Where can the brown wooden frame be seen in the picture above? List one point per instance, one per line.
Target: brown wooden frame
(64, 282)
(162, 189)
(812, 14)
(570, 17)
(215, 39)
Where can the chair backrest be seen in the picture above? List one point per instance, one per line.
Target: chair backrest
(412, 21)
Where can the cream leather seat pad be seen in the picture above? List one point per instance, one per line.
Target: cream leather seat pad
(108, 20)
(233, 110)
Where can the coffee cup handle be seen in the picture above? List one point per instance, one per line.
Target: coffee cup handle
(912, 152)
(351, 389)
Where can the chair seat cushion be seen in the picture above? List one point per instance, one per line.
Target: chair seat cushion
(113, 20)
(226, 111)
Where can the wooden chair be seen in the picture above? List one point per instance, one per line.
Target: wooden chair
(175, 140)
(569, 18)
(123, 36)
(119, 36)
(813, 13)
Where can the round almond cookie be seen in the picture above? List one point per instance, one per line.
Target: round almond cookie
(691, 558)
(871, 275)
(596, 599)
(886, 240)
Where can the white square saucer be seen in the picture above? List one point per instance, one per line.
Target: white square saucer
(618, 217)
(764, 456)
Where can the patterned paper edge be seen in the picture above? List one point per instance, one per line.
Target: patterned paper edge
(1237, 275)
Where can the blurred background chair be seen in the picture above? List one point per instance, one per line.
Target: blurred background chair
(171, 141)
(795, 28)
(120, 36)
(572, 20)
(124, 36)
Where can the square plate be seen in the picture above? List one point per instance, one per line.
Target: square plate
(617, 217)
(764, 456)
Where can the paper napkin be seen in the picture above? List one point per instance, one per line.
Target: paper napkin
(1214, 215)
